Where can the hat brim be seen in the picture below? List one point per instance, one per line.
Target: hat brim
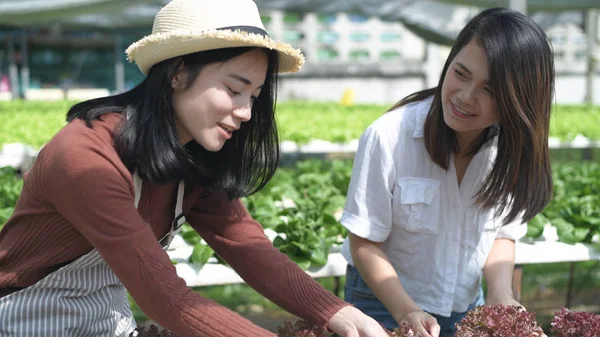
(159, 47)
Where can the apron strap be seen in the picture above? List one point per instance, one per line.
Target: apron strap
(137, 185)
(179, 219)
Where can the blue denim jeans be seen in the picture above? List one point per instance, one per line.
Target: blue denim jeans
(358, 294)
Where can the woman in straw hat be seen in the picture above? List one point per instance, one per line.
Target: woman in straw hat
(96, 210)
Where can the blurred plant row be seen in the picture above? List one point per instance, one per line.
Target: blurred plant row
(300, 207)
(34, 123)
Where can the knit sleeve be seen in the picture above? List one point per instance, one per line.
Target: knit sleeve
(228, 228)
(85, 181)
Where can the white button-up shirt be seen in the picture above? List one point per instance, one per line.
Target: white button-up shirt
(434, 234)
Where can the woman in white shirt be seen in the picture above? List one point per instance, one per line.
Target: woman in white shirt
(444, 183)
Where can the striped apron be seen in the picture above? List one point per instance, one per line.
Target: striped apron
(84, 298)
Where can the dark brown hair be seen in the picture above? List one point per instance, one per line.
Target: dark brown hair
(521, 76)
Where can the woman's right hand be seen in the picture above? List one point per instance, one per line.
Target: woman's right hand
(423, 323)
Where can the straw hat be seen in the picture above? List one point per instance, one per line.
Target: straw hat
(189, 26)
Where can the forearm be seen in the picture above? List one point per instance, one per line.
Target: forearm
(275, 276)
(150, 277)
(381, 277)
(498, 268)
(241, 242)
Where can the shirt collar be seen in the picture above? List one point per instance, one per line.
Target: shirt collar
(422, 110)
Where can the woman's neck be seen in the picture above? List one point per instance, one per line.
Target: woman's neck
(466, 140)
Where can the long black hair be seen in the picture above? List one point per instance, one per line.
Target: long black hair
(147, 140)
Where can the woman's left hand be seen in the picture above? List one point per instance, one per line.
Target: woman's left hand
(504, 300)
(351, 322)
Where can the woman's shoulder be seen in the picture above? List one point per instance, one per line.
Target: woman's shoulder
(78, 134)
(78, 157)
(408, 119)
(78, 146)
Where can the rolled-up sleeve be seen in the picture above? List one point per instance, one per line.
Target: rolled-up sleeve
(368, 210)
(515, 230)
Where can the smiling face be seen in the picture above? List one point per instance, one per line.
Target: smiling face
(467, 101)
(219, 100)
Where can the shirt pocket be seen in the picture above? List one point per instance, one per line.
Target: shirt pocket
(416, 205)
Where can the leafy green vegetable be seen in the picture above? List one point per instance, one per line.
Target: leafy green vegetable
(201, 253)
(314, 191)
(568, 233)
(189, 235)
(10, 189)
(535, 227)
(301, 203)
(575, 207)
